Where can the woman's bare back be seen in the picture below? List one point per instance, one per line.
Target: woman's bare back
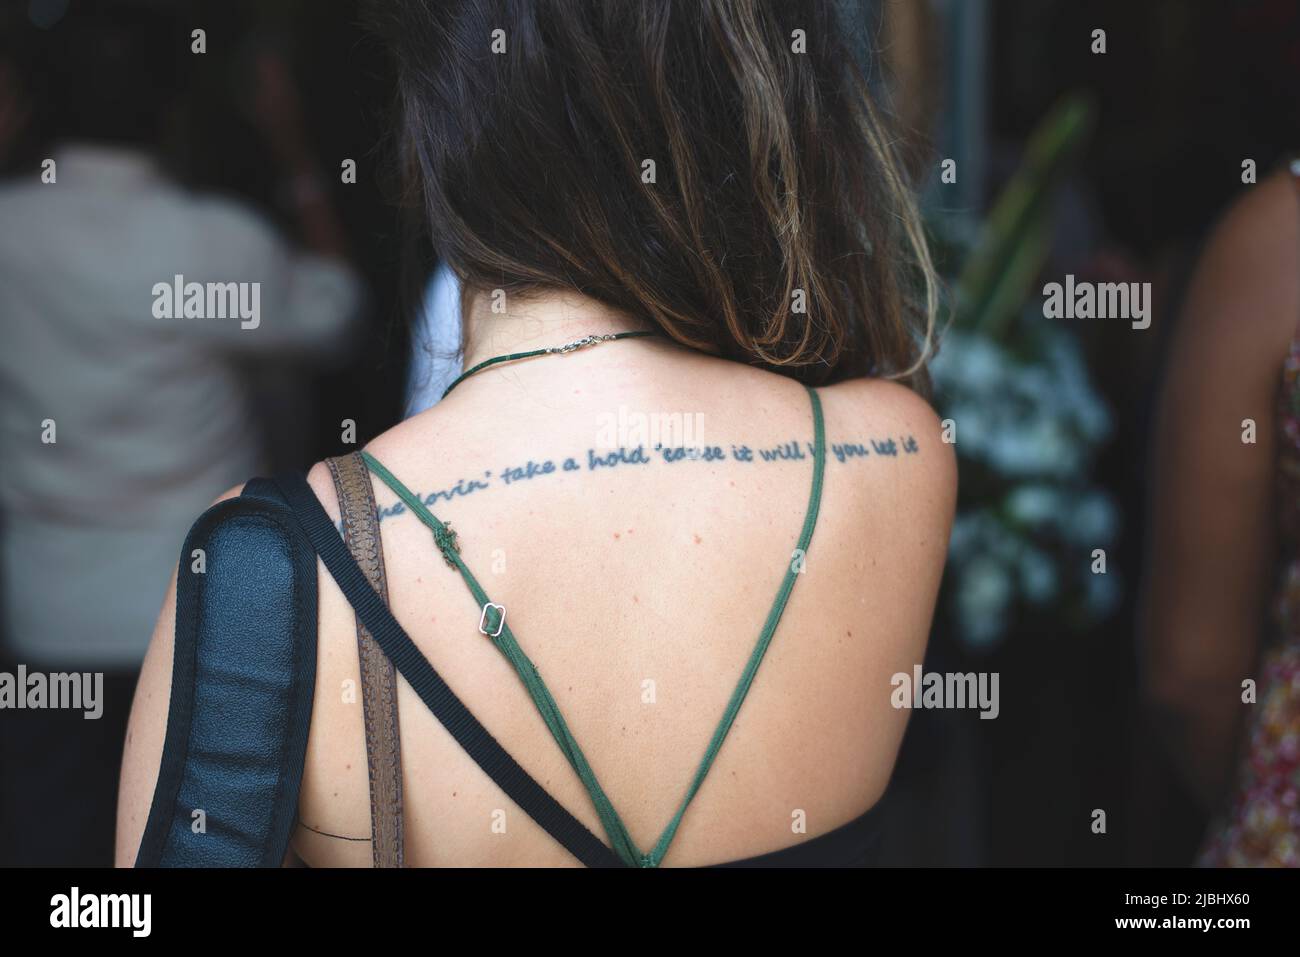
(639, 588)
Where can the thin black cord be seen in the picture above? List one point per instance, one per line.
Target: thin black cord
(337, 837)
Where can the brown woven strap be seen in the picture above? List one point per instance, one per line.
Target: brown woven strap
(378, 678)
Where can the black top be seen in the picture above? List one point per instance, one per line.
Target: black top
(855, 844)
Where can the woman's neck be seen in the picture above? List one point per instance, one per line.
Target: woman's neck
(502, 324)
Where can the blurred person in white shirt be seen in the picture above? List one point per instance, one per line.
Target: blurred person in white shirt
(150, 417)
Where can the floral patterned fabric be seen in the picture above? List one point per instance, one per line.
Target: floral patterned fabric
(1262, 825)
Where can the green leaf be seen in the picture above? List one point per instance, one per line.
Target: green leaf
(998, 276)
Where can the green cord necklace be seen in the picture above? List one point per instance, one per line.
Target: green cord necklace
(550, 350)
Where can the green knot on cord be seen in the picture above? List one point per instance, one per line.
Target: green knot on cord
(445, 538)
(646, 860)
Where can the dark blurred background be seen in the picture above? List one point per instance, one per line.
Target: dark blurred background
(1184, 92)
(344, 89)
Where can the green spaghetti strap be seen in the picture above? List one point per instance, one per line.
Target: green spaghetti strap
(793, 569)
(499, 633)
(501, 636)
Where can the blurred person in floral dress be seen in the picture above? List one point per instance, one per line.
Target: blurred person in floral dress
(1221, 610)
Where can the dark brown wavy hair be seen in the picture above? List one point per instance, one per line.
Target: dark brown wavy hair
(777, 228)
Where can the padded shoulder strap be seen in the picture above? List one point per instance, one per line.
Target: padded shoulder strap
(243, 676)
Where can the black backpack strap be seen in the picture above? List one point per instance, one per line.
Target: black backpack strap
(433, 691)
(243, 677)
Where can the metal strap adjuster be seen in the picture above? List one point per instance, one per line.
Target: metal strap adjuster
(501, 621)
